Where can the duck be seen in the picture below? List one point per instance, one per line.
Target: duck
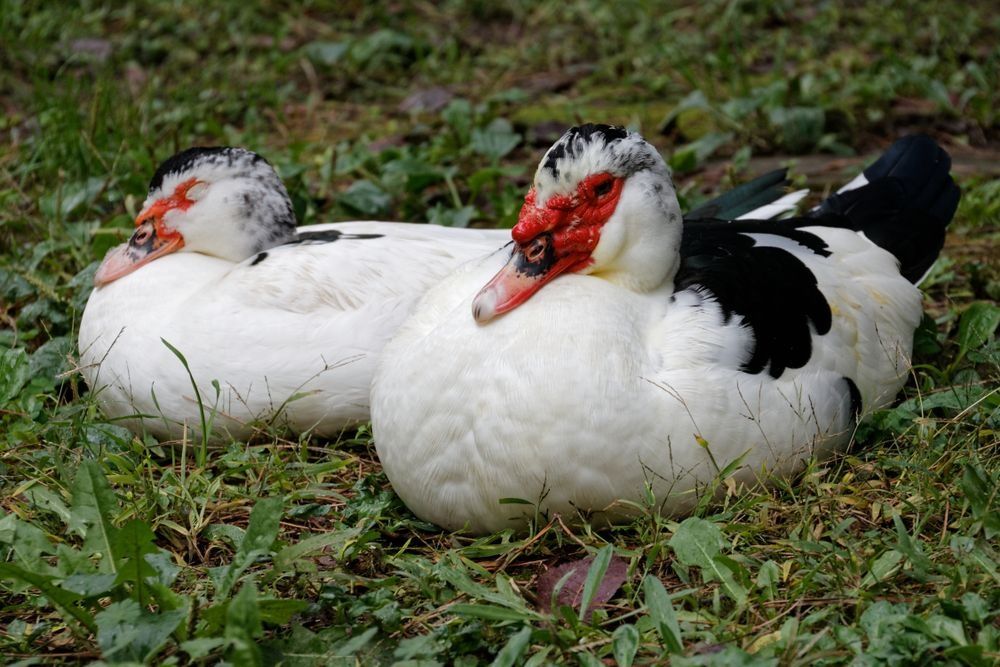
(616, 360)
(220, 316)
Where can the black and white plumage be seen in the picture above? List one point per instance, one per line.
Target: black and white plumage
(244, 183)
(620, 347)
(288, 321)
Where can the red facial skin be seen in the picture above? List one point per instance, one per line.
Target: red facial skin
(177, 200)
(576, 219)
(551, 240)
(152, 238)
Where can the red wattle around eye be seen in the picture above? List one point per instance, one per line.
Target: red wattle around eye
(596, 186)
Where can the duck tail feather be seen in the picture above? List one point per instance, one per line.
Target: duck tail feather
(905, 206)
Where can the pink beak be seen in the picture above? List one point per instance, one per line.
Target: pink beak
(145, 245)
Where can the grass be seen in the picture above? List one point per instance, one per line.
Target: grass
(120, 548)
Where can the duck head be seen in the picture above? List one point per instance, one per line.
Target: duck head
(602, 203)
(225, 202)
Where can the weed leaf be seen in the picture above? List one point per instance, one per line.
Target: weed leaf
(336, 540)
(46, 499)
(365, 198)
(492, 612)
(882, 568)
(90, 584)
(452, 571)
(201, 647)
(243, 626)
(587, 659)
(134, 543)
(27, 542)
(978, 323)
(262, 529)
(798, 128)
(261, 533)
(62, 599)
(93, 509)
(910, 547)
(496, 140)
(693, 155)
(325, 53)
(126, 632)
(698, 542)
(355, 644)
(768, 578)
(595, 579)
(662, 612)
(982, 494)
(513, 649)
(451, 217)
(14, 373)
(625, 644)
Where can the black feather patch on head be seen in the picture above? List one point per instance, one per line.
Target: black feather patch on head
(186, 159)
(581, 135)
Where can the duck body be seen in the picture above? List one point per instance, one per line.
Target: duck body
(760, 349)
(633, 389)
(290, 334)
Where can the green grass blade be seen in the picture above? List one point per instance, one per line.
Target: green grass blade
(595, 574)
(203, 452)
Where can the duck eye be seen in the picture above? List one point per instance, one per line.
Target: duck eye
(603, 188)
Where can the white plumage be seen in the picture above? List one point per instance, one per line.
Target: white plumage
(287, 322)
(292, 338)
(613, 377)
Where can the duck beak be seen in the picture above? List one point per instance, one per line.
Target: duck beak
(529, 268)
(149, 241)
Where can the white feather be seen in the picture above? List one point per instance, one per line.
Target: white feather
(293, 338)
(778, 208)
(855, 183)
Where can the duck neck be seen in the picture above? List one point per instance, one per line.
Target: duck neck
(644, 236)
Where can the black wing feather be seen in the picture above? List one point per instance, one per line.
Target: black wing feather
(906, 206)
(743, 198)
(770, 289)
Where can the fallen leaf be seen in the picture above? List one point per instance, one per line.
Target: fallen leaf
(97, 49)
(572, 589)
(545, 133)
(430, 100)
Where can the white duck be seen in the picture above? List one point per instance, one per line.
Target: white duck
(617, 348)
(288, 322)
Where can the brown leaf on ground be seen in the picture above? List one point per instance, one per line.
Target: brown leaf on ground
(572, 589)
(428, 100)
(545, 133)
(392, 141)
(93, 47)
